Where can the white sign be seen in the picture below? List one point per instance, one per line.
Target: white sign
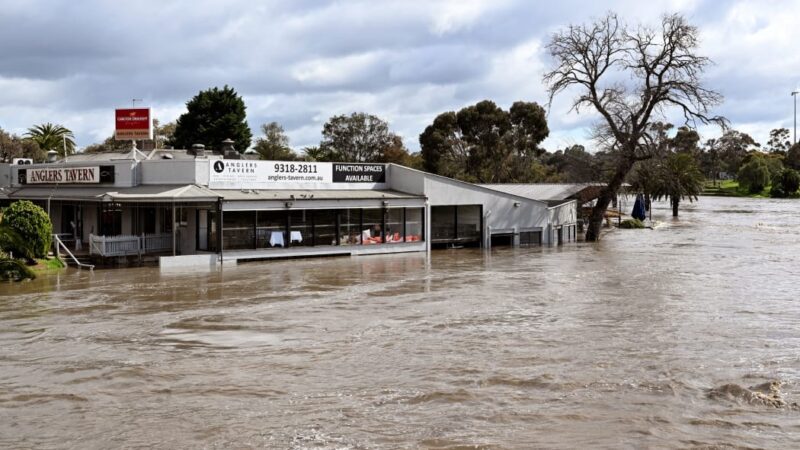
(245, 174)
(62, 175)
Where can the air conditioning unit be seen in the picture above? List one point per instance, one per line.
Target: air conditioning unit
(21, 161)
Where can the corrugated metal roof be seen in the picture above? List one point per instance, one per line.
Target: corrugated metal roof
(544, 192)
(143, 193)
(351, 194)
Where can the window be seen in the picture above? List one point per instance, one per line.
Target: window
(350, 227)
(530, 238)
(372, 226)
(469, 222)
(443, 223)
(415, 227)
(394, 219)
(270, 229)
(325, 227)
(110, 219)
(301, 227)
(238, 230)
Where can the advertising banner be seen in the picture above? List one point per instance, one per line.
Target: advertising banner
(243, 174)
(133, 124)
(70, 175)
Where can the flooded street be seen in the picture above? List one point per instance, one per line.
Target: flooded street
(626, 343)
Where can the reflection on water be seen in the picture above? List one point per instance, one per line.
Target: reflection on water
(681, 336)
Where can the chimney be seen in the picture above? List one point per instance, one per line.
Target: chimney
(199, 150)
(228, 152)
(52, 156)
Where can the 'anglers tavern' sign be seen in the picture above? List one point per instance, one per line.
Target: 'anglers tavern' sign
(67, 175)
(244, 174)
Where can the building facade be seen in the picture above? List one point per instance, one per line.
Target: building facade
(204, 209)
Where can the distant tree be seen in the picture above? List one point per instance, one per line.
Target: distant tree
(484, 143)
(678, 178)
(50, 136)
(108, 145)
(733, 146)
(163, 134)
(786, 184)
(213, 116)
(629, 76)
(779, 140)
(754, 175)
(274, 145)
(686, 140)
(12, 146)
(359, 137)
(792, 159)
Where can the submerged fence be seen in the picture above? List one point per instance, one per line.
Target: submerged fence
(125, 245)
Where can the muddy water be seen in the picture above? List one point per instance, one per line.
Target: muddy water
(649, 339)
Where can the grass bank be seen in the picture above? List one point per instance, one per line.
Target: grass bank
(731, 188)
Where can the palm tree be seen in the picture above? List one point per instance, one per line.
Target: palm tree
(53, 137)
(678, 177)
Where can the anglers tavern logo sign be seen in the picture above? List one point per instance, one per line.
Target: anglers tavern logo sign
(245, 174)
(67, 175)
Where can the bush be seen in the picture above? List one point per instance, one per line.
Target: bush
(754, 176)
(11, 269)
(26, 230)
(785, 184)
(631, 223)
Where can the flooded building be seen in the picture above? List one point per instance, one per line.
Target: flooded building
(193, 207)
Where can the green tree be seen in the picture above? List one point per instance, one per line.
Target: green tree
(754, 175)
(630, 76)
(678, 178)
(779, 141)
(212, 116)
(483, 143)
(31, 231)
(12, 146)
(108, 145)
(359, 137)
(163, 134)
(50, 136)
(792, 159)
(733, 147)
(274, 145)
(786, 184)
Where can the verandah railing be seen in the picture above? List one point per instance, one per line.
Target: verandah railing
(125, 245)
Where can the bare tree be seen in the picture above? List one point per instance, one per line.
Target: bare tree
(631, 77)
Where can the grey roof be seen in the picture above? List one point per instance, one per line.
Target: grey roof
(143, 193)
(544, 192)
(141, 155)
(308, 194)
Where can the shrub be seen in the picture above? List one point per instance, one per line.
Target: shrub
(631, 223)
(754, 176)
(32, 227)
(785, 184)
(11, 269)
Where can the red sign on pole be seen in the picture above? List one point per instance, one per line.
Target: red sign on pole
(133, 124)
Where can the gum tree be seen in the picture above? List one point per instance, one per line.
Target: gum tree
(631, 77)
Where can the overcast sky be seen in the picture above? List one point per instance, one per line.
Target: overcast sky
(299, 62)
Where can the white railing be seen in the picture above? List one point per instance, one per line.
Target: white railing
(125, 245)
(59, 244)
(156, 242)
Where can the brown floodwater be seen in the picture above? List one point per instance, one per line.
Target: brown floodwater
(650, 338)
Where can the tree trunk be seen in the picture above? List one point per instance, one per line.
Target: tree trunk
(675, 202)
(607, 194)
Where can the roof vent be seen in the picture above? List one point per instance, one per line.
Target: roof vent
(166, 156)
(199, 150)
(52, 156)
(228, 151)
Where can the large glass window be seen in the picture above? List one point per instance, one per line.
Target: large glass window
(238, 230)
(443, 223)
(110, 219)
(325, 227)
(301, 228)
(415, 225)
(394, 225)
(372, 232)
(350, 227)
(271, 229)
(530, 238)
(469, 222)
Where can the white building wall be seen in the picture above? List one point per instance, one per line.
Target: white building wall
(172, 172)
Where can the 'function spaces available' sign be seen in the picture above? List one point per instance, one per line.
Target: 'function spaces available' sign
(133, 124)
(243, 174)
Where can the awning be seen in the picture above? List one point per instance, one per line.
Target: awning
(290, 195)
(146, 193)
